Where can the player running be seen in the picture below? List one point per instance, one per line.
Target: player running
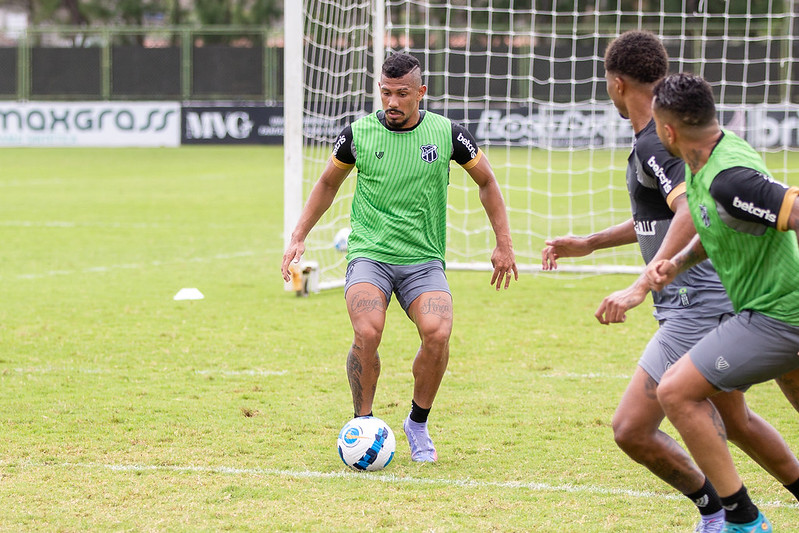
(742, 217)
(694, 305)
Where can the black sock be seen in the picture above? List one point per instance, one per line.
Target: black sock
(361, 416)
(418, 414)
(706, 499)
(793, 488)
(739, 508)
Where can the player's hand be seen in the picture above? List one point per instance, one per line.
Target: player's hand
(504, 262)
(660, 273)
(563, 247)
(292, 254)
(613, 309)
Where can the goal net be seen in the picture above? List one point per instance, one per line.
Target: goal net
(527, 79)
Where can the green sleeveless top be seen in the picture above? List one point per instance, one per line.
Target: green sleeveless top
(399, 209)
(759, 272)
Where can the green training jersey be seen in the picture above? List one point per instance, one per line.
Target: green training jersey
(399, 209)
(759, 271)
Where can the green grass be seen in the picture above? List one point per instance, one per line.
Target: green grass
(122, 409)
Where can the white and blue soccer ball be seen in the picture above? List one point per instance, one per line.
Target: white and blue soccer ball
(366, 443)
(340, 240)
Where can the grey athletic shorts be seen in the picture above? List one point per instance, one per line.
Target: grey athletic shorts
(408, 282)
(674, 338)
(749, 348)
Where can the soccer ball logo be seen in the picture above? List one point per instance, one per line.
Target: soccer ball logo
(366, 443)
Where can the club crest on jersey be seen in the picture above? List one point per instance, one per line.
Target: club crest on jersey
(705, 217)
(429, 153)
(379, 155)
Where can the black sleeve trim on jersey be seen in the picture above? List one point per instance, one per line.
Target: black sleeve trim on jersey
(748, 195)
(343, 150)
(464, 146)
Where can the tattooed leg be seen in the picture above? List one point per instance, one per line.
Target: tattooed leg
(366, 305)
(683, 393)
(756, 437)
(636, 430)
(357, 379)
(789, 384)
(432, 314)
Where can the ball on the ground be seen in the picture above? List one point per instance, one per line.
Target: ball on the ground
(341, 238)
(366, 443)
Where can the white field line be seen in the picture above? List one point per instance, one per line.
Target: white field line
(590, 375)
(381, 478)
(103, 225)
(139, 266)
(58, 370)
(78, 370)
(243, 372)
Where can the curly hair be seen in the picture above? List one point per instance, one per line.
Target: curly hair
(639, 55)
(398, 65)
(687, 97)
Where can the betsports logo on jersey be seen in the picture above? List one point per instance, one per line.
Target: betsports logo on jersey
(660, 173)
(339, 142)
(468, 145)
(752, 209)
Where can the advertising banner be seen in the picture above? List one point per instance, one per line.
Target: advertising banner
(90, 124)
(232, 124)
(598, 125)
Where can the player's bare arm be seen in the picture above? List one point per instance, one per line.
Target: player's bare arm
(572, 246)
(319, 201)
(503, 258)
(614, 307)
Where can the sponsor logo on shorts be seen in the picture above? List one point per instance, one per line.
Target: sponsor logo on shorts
(722, 364)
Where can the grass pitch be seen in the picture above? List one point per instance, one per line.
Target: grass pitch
(122, 409)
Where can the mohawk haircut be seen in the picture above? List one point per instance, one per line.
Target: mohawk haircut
(398, 65)
(687, 97)
(639, 55)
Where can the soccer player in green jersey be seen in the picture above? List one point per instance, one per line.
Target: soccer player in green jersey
(398, 239)
(742, 217)
(686, 310)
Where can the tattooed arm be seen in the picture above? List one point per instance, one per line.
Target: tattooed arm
(661, 273)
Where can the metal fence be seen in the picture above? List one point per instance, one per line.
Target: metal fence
(239, 63)
(134, 63)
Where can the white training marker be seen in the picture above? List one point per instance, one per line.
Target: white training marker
(189, 294)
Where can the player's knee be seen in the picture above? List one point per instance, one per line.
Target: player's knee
(436, 341)
(629, 437)
(367, 335)
(670, 394)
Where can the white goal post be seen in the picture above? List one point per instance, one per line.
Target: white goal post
(527, 80)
